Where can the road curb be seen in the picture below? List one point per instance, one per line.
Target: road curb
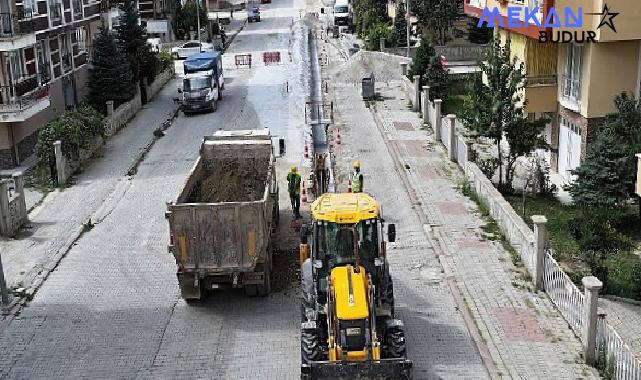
(470, 323)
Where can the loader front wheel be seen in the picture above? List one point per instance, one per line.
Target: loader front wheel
(395, 339)
(309, 346)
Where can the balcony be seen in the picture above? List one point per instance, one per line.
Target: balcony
(23, 100)
(16, 30)
(570, 93)
(541, 93)
(106, 5)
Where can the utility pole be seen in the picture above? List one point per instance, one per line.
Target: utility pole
(200, 48)
(407, 17)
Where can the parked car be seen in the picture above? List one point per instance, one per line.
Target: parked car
(189, 48)
(253, 14)
(155, 44)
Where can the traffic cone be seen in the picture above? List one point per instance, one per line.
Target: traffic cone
(349, 186)
(306, 154)
(304, 194)
(338, 137)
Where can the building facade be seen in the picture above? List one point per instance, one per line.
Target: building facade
(574, 84)
(44, 53)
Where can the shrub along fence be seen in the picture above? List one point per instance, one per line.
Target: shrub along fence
(578, 308)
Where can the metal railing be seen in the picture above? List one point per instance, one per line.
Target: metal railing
(540, 80)
(67, 62)
(23, 94)
(571, 88)
(105, 5)
(625, 362)
(12, 24)
(77, 9)
(564, 294)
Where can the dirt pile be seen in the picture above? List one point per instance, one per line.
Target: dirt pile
(386, 67)
(228, 182)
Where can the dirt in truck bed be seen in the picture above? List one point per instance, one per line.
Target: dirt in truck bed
(230, 182)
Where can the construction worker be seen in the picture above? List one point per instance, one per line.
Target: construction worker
(357, 178)
(293, 187)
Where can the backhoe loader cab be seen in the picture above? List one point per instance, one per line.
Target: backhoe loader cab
(347, 308)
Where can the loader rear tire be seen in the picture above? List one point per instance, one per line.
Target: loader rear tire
(395, 340)
(310, 348)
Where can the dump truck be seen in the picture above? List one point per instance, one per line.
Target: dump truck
(349, 329)
(222, 221)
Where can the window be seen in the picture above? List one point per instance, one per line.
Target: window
(30, 6)
(55, 11)
(81, 37)
(16, 66)
(65, 53)
(573, 69)
(43, 61)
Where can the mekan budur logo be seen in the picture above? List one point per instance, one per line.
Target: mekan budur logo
(566, 18)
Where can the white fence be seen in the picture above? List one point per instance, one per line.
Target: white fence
(445, 134)
(566, 296)
(627, 366)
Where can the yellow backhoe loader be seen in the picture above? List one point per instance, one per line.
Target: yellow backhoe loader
(348, 328)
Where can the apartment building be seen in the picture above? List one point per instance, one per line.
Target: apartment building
(574, 84)
(44, 46)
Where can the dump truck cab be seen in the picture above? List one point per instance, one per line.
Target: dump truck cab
(347, 305)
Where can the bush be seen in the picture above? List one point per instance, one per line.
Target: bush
(166, 60)
(598, 240)
(373, 36)
(76, 129)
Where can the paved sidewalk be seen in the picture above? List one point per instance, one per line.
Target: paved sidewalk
(62, 216)
(525, 335)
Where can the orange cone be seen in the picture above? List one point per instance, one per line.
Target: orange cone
(304, 194)
(338, 137)
(349, 186)
(306, 154)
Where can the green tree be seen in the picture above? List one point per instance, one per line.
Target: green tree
(496, 102)
(603, 178)
(438, 16)
(400, 25)
(479, 35)
(109, 75)
(608, 174)
(179, 22)
(422, 59)
(191, 12)
(437, 78)
(132, 38)
(523, 137)
(366, 13)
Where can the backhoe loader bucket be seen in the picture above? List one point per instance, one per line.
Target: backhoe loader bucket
(389, 369)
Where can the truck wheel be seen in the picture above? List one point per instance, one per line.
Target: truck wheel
(309, 346)
(214, 106)
(220, 93)
(266, 287)
(395, 341)
(251, 290)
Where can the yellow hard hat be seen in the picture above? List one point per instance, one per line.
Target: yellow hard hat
(294, 169)
(357, 164)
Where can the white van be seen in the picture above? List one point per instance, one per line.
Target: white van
(342, 13)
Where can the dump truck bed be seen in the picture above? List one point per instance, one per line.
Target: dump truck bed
(221, 221)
